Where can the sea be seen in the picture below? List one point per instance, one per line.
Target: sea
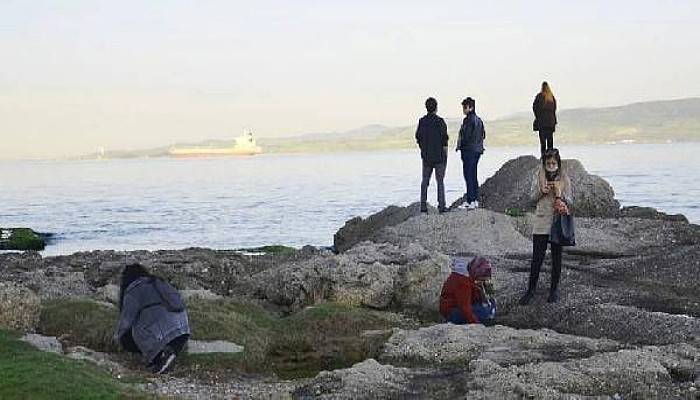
(288, 199)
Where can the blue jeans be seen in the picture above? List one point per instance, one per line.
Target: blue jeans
(482, 311)
(470, 161)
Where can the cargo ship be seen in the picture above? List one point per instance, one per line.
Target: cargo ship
(244, 146)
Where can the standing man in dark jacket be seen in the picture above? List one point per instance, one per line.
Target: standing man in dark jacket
(471, 144)
(431, 137)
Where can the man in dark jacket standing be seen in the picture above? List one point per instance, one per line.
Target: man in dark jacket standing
(431, 137)
(471, 144)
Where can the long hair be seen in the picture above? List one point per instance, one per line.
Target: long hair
(131, 273)
(547, 92)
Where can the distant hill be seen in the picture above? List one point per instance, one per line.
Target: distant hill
(647, 122)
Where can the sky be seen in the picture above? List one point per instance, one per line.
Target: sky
(79, 75)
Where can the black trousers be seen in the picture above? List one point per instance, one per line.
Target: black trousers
(539, 248)
(546, 139)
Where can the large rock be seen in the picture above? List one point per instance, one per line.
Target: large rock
(510, 187)
(460, 232)
(19, 307)
(374, 275)
(357, 229)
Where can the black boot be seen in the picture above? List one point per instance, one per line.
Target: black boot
(525, 300)
(556, 275)
(531, 287)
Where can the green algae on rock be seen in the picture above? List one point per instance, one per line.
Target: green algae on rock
(20, 239)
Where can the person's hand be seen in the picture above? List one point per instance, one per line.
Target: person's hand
(557, 188)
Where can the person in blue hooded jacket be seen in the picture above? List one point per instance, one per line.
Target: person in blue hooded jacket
(471, 144)
(153, 318)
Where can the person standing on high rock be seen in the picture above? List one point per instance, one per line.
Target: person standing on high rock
(471, 144)
(432, 138)
(545, 109)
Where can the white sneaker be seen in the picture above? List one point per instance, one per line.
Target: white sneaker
(463, 206)
(473, 205)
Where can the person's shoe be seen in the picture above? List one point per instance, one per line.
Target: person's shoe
(473, 205)
(553, 296)
(164, 361)
(424, 210)
(443, 210)
(527, 298)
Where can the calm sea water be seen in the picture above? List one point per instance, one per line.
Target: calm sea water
(287, 199)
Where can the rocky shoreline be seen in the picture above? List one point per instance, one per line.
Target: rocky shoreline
(627, 325)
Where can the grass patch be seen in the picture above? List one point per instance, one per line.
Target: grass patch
(27, 373)
(324, 337)
(80, 322)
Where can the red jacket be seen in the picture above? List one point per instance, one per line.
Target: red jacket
(459, 291)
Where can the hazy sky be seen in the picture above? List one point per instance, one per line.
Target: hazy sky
(76, 75)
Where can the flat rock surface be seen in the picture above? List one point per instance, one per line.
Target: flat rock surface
(215, 346)
(445, 344)
(43, 343)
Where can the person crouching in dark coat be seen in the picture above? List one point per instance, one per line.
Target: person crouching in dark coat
(464, 298)
(153, 318)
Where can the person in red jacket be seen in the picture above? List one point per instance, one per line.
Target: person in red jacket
(463, 299)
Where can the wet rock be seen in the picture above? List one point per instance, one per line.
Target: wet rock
(19, 307)
(44, 343)
(650, 213)
(21, 239)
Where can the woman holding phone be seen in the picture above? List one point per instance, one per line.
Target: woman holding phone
(553, 192)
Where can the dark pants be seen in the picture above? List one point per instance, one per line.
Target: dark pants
(539, 248)
(470, 161)
(439, 177)
(546, 139)
(484, 312)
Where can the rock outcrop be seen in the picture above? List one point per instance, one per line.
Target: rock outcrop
(627, 324)
(357, 229)
(510, 187)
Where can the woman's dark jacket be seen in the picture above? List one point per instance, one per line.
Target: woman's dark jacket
(545, 113)
(154, 314)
